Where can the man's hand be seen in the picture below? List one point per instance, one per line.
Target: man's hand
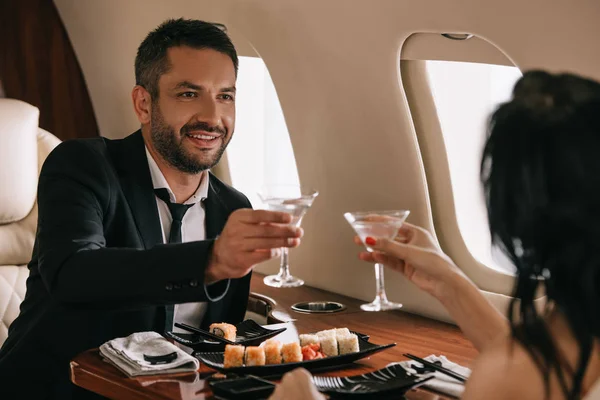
(250, 237)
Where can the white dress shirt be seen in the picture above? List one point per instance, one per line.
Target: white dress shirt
(193, 228)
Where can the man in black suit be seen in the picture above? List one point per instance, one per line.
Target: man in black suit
(126, 231)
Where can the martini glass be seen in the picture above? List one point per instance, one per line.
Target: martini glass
(378, 225)
(295, 201)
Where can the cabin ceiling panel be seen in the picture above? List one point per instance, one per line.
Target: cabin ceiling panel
(536, 33)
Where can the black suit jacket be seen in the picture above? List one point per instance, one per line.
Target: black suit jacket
(99, 268)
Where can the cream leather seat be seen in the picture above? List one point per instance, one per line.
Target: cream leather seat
(23, 148)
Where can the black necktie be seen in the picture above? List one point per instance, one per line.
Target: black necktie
(177, 213)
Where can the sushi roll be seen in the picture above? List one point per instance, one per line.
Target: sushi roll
(234, 356)
(291, 352)
(308, 339)
(342, 332)
(255, 356)
(329, 345)
(328, 332)
(223, 330)
(273, 352)
(348, 344)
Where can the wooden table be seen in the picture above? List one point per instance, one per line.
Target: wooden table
(413, 334)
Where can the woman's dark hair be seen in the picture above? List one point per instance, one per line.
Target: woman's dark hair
(541, 176)
(152, 61)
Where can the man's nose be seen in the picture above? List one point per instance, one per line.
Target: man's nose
(208, 112)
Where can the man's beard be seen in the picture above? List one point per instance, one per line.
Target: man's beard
(164, 139)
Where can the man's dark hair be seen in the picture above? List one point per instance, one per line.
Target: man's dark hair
(152, 61)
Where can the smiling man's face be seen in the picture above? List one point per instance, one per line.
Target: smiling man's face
(193, 119)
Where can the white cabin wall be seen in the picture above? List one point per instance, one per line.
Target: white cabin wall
(335, 65)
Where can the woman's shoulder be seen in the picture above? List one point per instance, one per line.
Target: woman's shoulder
(505, 370)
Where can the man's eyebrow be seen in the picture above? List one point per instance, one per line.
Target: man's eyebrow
(193, 86)
(188, 85)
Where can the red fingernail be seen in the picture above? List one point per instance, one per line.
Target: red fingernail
(370, 241)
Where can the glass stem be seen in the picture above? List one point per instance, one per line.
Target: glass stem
(284, 269)
(380, 284)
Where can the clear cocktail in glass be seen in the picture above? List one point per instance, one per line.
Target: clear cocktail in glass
(295, 201)
(378, 225)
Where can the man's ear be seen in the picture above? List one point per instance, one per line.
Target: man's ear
(142, 104)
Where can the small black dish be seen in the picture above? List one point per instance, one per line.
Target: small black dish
(392, 380)
(247, 387)
(249, 333)
(215, 360)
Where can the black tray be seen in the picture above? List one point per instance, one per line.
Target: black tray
(249, 333)
(215, 360)
(378, 384)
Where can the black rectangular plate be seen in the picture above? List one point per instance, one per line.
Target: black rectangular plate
(249, 333)
(377, 384)
(215, 360)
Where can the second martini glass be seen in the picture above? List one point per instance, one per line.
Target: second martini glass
(378, 225)
(295, 201)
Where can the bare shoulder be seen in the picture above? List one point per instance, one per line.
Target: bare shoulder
(504, 371)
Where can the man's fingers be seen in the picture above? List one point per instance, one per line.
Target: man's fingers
(262, 255)
(251, 244)
(271, 231)
(249, 216)
(252, 258)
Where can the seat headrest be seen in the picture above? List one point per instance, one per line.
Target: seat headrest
(18, 159)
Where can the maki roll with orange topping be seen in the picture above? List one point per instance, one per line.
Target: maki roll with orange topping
(224, 330)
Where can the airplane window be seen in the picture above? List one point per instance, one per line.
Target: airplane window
(465, 94)
(260, 152)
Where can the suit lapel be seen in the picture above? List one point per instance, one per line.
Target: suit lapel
(216, 211)
(216, 214)
(136, 183)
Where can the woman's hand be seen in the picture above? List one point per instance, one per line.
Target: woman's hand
(296, 385)
(415, 254)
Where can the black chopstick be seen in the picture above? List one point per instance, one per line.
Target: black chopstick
(204, 333)
(439, 368)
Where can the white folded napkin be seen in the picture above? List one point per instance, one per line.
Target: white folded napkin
(127, 354)
(441, 382)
